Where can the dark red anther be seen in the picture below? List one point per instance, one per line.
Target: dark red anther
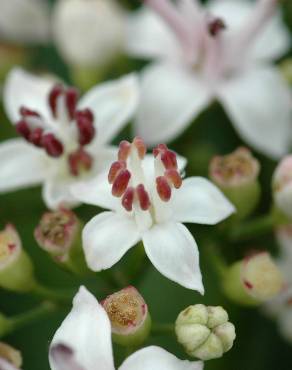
(25, 112)
(168, 159)
(174, 177)
(128, 199)
(85, 125)
(53, 146)
(121, 183)
(23, 129)
(143, 197)
(140, 146)
(78, 161)
(163, 188)
(248, 285)
(56, 91)
(116, 167)
(71, 96)
(161, 148)
(36, 136)
(124, 150)
(216, 26)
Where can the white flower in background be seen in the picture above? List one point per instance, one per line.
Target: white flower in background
(223, 52)
(24, 21)
(149, 201)
(89, 33)
(83, 342)
(63, 140)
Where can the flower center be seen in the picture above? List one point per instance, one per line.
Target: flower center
(68, 132)
(132, 182)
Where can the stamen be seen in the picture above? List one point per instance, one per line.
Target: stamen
(85, 125)
(25, 112)
(36, 136)
(78, 161)
(23, 129)
(140, 146)
(128, 199)
(216, 26)
(56, 91)
(174, 177)
(116, 167)
(52, 145)
(168, 157)
(124, 150)
(163, 188)
(121, 183)
(143, 197)
(71, 101)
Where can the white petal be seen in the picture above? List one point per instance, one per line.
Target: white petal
(171, 97)
(259, 104)
(156, 358)
(5, 365)
(150, 37)
(174, 252)
(21, 165)
(24, 21)
(106, 238)
(113, 104)
(24, 89)
(199, 201)
(97, 192)
(87, 331)
(57, 192)
(271, 43)
(63, 358)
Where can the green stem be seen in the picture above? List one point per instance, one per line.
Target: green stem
(217, 260)
(60, 296)
(164, 329)
(256, 227)
(19, 321)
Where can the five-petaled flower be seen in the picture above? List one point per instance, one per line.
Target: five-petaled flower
(83, 342)
(223, 53)
(149, 201)
(63, 140)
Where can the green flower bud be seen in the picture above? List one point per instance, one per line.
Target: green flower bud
(59, 234)
(282, 186)
(11, 355)
(129, 316)
(205, 331)
(16, 268)
(254, 280)
(236, 174)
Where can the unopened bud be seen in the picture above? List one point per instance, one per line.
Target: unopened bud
(236, 174)
(129, 316)
(59, 234)
(16, 269)
(282, 186)
(254, 280)
(11, 355)
(205, 331)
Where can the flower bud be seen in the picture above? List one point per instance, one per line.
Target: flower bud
(286, 69)
(11, 355)
(129, 316)
(89, 33)
(16, 269)
(282, 186)
(236, 174)
(59, 234)
(205, 331)
(253, 280)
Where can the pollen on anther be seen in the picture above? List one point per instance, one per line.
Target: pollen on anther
(143, 197)
(128, 199)
(121, 183)
(163, 188)
(116, 167)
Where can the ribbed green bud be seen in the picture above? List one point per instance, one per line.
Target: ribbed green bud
(205, 331)
(129, 316)
(236, 174)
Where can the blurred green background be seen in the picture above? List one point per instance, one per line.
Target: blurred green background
(258, 346)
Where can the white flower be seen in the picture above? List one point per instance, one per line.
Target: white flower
(64, 140)
(223, 52)
(154, 203)
(25, 21)
(83, 342)
(89, 33)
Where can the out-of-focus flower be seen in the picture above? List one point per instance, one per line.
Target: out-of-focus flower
(236, 174)
(205, 332)
(24, 21)
(129, 316)
(10, 358)
(223, 52)
(282, 185)
(149, 201)
(254, 280)
(16, 269)
(63, 141)
(84, 340)
(89, 33)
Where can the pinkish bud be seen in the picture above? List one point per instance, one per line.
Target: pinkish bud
(129, 316)
(236, 174)
(282, 185)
